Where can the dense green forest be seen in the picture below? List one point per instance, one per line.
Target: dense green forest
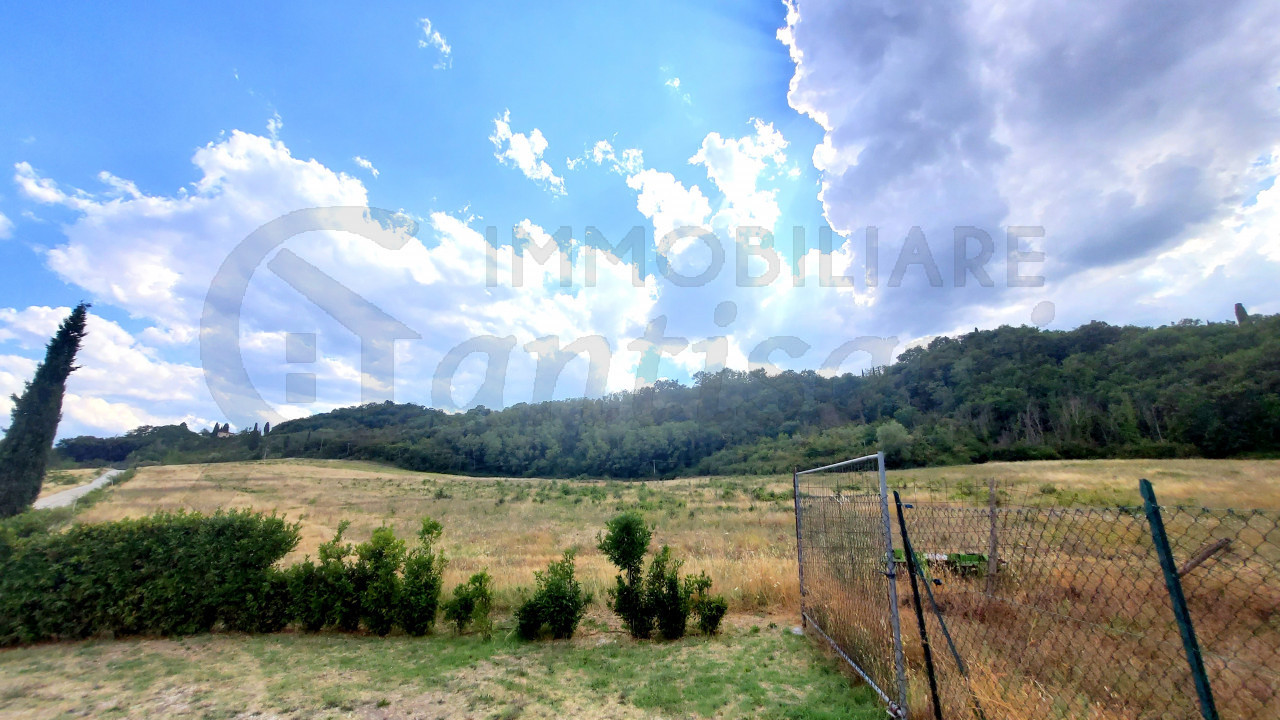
(1006, 394)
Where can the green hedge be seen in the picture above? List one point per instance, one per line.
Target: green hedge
(180, 574)
(167, 574)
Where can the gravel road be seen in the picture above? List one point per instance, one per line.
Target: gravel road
(67, 497)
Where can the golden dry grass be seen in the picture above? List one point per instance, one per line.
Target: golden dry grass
(1213, 483)
(510, 526)
(516, 526)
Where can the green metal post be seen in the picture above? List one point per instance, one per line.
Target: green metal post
(1180, 612)
(915, 593)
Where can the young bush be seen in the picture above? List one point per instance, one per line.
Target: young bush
(378, 563)
(471, 604)
(308, 596)
(557, 604)
(709, 609)
(340, 584)
(628, 600)
(666, 597)
(267, 608)
(625, 543)
(423, 581)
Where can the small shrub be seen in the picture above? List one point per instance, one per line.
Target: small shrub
(665, 596)
(378, 563)
(423, 581)
(471, 604)
(267, 608)
(307, 595)
(627, 600)
(625, 543)
(709, 609)
(557, 605)
(341, 584)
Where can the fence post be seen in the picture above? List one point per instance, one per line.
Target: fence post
(890, 571)
(1179, 601)
(993, 563)
(795, 482)
(915, 594)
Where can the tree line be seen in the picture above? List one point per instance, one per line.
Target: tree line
(1012, 393)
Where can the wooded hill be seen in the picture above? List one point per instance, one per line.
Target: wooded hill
(1011, 393)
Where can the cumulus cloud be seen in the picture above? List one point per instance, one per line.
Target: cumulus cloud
(524, 152)
(431, 38)
(366, 164)
(121, 382)
(155, 257)
(1129, 136)
(6, 227)
(737, 166)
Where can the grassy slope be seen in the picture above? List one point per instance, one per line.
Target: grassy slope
(738, 529)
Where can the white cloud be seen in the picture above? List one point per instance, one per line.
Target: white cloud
(431, 38)
(366, 164)
(121, 383)
(1126, 134)
(670, 206)
(6, 227)
(275, 124)
(674, 84)
(629, 162)
(154, 257)
(736, 166)
(45, 191)
(525, 153)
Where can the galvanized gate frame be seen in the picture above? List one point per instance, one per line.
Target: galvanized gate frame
(897, 707)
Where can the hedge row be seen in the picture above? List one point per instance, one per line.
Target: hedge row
(179, 574)
(167, 574)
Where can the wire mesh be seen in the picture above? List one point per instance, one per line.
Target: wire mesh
(1229, 566)
(845, 592)
(1055, 612)
(1075, 622)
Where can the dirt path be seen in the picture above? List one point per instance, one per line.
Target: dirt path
(67, 497)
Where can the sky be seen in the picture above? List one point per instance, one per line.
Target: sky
(279, 209)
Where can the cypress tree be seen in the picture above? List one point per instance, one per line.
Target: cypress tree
(1242, 315)
(24, 452)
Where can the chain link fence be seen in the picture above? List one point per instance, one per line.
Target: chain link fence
(1044, 612)
(845, 553)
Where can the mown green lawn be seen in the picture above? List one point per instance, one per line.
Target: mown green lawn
(752, 670)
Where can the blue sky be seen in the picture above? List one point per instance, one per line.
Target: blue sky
(142, 146)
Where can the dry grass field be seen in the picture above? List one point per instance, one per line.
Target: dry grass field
(739, 529)
(511, 527)
(1196, 482)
